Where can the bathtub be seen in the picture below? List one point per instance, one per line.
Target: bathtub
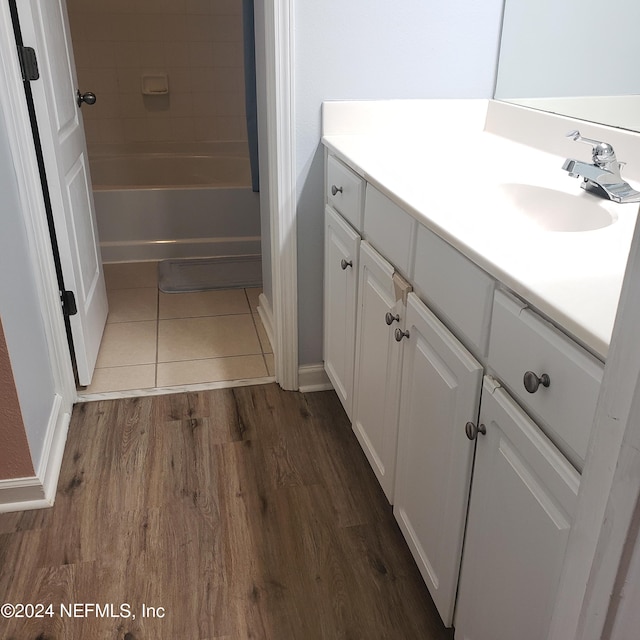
(155, 202)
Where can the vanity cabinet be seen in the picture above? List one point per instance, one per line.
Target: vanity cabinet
(342, 247)
(522, 504)
(441, 383)
(487, 533)
(381, 311)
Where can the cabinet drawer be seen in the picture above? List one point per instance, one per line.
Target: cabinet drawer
(345, 191)
(455, 288)
(389, 229)
(521, 341)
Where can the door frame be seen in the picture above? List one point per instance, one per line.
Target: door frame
(280, 118)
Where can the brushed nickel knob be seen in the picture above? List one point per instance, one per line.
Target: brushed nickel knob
(472, 431)
(390, 318)
(344, 264)
(532, 382)
(335, 190)
(401, 334)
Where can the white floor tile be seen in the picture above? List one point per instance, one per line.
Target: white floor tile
(210, 370)
(203, 303)
(132, 305)
(212, 337)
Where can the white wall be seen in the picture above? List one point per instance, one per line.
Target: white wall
(375, 49)
(21, 311)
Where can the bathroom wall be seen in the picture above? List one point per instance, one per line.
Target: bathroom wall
(15, 461)
(374, 49)
(198, 43)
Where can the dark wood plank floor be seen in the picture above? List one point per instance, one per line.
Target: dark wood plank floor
(243, 513)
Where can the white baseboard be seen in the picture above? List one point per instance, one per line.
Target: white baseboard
(39, 491)
(312, 377)
(53, 452)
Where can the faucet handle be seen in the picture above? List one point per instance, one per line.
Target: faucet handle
(602, 152)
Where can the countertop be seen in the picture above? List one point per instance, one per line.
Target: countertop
(448, 170)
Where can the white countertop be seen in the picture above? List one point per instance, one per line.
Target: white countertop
(447, 172)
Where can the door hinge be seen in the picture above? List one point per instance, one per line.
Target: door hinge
(69, 306)
(28, 63)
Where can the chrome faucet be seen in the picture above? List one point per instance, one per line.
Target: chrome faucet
(603, 176)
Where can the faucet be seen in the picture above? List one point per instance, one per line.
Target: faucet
(603, 176)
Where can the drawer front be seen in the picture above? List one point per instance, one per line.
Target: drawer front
(389, 229)
(455, 288)
(521, 341)
(345, 192)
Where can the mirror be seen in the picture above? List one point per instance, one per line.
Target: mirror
(575, 57)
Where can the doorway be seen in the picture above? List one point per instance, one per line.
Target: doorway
(164, 142)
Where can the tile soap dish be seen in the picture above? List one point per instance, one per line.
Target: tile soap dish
(155, 84)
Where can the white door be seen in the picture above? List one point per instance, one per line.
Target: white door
(522, 503)
(440, 393)
(45, 27)
(378, 366)
(341, 249)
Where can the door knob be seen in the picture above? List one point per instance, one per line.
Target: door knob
(335, 190)
(344, 264)
(87, 97)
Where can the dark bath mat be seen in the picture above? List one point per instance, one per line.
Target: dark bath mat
(204, 274)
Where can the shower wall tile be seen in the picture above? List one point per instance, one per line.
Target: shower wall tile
(198, 43)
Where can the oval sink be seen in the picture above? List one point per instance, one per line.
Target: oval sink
(552, 210)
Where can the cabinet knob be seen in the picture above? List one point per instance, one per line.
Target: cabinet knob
(335, 190)
(390, 318)
(532, 381)
(472, 431)
(401, 334)
(344, 264)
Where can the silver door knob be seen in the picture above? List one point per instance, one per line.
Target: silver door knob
(335, 190)
(88, 98)
(472, 431)
(344, 264)
(390, 318)
(532, 382)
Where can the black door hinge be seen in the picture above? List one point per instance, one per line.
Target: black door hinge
(69, 306)
(28, 63)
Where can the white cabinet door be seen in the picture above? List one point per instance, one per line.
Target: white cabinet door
(522, 503)
(341, 249)
(45, 27)
(378, 366)
(440, 393)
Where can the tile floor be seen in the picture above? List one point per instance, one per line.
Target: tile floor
(154, 339)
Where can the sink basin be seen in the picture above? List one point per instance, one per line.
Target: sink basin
(551, 210)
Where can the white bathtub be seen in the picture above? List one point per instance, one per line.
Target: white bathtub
(155, 202)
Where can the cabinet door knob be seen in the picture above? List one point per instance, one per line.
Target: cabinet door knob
(335, 190)
(472, 431)
(344, 264)
(532, 381)
(390, 318)
(401, 334)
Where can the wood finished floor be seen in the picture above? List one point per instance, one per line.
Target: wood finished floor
(246, 513)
